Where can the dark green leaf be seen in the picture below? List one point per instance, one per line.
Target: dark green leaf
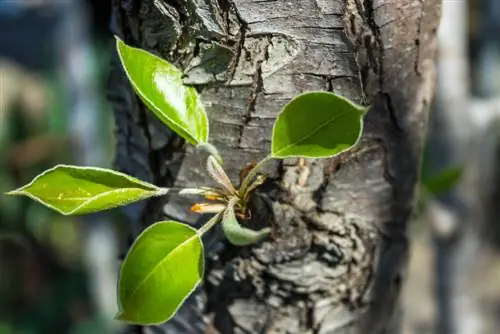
(443, 181)
(163, 267)
(159, 84)
(75, 190)
(317, 125)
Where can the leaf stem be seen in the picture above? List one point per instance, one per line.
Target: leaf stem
(182, 191)
(365, 110)
(210, 149)
(208, 225)
(246, 181)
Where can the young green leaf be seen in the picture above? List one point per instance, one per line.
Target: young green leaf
(163, 267)
(237, 234)
(76, 190)
(317, 125)
(259, 180)
(217, 173)
(159, 85)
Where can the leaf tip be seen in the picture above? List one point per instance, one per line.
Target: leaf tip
(119, 45)
(207, 207)
(196, 208)
(118, 40)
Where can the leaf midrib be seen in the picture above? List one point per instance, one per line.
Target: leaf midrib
(156, 267)
(83, 204)
(101, 194)
(183, 126)
(311, 134)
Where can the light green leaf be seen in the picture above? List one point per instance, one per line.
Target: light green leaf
(237, 234)
(75, 190)
(163, 267)
(317, 125)
(159, 85)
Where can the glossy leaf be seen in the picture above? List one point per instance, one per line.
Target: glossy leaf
(75, 190)
(237, 234)
(159, 85)
(163, 267)
(317, 125)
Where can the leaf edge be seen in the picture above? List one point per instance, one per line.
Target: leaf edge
(362, 110)
(21, 190)
(120, 313)
(184, 134)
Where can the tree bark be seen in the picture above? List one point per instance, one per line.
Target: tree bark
(337, 257)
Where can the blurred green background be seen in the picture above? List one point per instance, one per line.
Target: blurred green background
(53, 71)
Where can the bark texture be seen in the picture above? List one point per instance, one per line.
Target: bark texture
(337, 258)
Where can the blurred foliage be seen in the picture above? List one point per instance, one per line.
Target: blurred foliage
(443, 181)
(435, 183)
(43, 284)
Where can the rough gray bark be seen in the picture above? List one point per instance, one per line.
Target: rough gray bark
(337, 258)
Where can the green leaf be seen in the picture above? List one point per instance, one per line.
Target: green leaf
(443, 181)
(217, 173)
(163, 267)
(317, 125)
(237, 234)
(259, 180)
(159, 85)
(75, 190)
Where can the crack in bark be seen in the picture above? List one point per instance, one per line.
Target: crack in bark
(416, 65)
(239, 47)
(328, 79)
(392, 113)
(374, 43)
(257, 87)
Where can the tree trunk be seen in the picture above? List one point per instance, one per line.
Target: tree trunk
(337, 257)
